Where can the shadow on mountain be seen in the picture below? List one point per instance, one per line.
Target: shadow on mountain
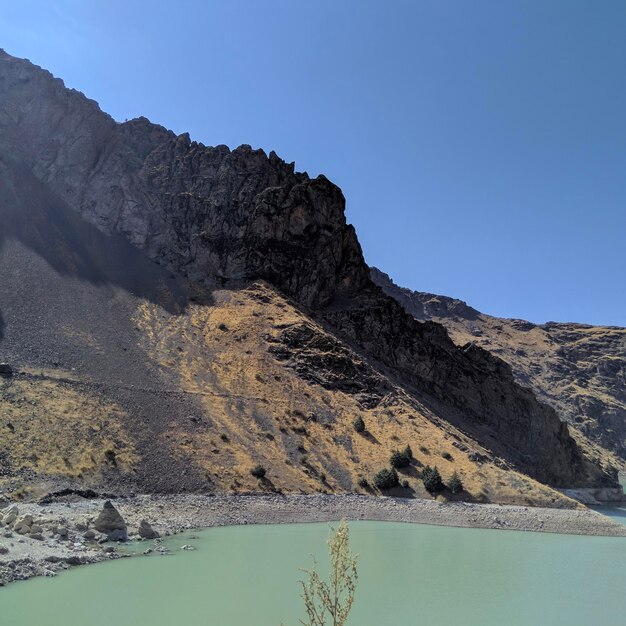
(30, 213)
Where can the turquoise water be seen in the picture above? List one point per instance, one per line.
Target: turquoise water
(409, 575)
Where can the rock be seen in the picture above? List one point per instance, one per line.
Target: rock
(11, 516)
(4, 550)
(146, 531)
(37, 536)
(62, 532)
(111, 523)
(90, 535)
(36, 529)
(22, 525)
(187, 547)
(6, 371)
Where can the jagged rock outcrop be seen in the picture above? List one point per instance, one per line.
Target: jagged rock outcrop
(223, 218)
(578, 369)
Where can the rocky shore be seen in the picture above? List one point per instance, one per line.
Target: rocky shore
(41, 539)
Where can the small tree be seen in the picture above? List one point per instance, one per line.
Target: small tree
(432, 479)
(258, 472)
(408, 453)
(399, 459)
(455, 484)
(329, 602)
(386, 479)
(359, 425)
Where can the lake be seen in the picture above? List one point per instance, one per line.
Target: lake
(409, 574)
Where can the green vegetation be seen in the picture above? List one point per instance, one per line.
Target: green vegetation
(363, 483)
(432, 479)
(447, 456)
(455, 484)
(258, 472)
(405, 484)
(386, 479)
(359, 425)
(329, 602)
(402, 459)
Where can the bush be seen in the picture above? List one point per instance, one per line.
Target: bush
(401, 459)
(359, 425)
(432, 479)
(386, 479)
(363, 483)
(455, 484)
(258, 472)
(405, 484)
(447, 456)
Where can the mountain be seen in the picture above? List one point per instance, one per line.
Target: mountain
(175, 314)
(578, 369)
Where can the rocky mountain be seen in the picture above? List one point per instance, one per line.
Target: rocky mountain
(174, 314)
(578, 369)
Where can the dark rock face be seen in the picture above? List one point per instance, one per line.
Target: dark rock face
(577, 369)
(223, 218)
(111, 523)
(318, 357)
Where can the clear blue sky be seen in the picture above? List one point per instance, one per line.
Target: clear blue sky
(481, 145)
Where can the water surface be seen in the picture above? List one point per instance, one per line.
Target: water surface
(410, 575)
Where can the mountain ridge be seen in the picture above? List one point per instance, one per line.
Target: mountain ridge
(579, 369)
(215, 222)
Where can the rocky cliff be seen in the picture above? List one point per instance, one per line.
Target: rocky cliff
(578, 369)
(173, 224)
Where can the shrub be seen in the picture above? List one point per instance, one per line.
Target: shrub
(258, 472)
(400, 459)
(329, 602)
(455, 484)
(408, 452)
(359, 425)
(432, 479)
(363, 483)
(447, 456)
(386, 479)
(405, 484)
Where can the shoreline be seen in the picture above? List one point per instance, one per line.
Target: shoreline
(52, 549)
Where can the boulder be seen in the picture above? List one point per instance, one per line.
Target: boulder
(146, 531)
(11, 515)
(111, 523)
(23, 525)
(6, 371)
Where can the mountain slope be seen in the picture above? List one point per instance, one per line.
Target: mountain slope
(184, 308)
(578, 369)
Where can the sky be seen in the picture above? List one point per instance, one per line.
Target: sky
(481, 146)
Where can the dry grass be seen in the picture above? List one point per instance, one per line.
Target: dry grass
(257, 411)
(53, 429)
